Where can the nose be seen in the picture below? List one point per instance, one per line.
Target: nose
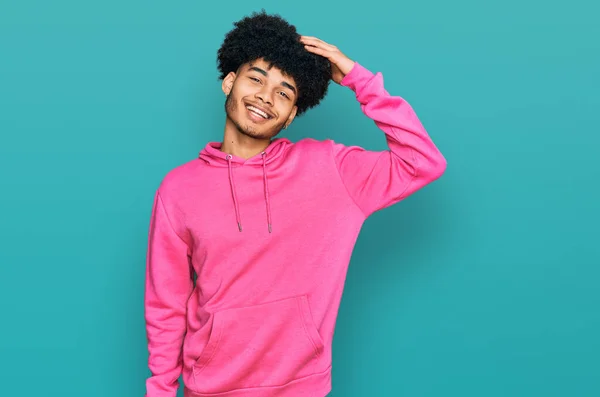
(265, 95)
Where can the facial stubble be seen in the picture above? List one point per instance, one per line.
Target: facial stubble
(231, 106)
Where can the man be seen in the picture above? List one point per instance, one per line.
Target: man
(267, 226)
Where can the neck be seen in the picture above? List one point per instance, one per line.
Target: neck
(241, 145)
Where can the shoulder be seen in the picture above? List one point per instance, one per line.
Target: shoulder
(175, 180)
(326, 147)
(313, 146)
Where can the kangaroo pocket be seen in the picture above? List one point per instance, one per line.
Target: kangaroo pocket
(268, 344)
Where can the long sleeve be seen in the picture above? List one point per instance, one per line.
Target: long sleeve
(168, 287)
(378, 179)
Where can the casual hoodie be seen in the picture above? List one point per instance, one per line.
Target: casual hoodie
(269, 240)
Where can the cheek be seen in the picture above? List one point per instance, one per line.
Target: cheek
(244, 90)
(284, 109)
(231, 102)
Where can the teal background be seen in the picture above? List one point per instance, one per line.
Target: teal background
(484, 283)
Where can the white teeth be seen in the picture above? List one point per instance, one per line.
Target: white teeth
(258, 111)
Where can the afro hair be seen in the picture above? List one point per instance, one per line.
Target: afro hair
(273, 39)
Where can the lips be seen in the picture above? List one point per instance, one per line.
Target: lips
(259, 112)
(255, 118)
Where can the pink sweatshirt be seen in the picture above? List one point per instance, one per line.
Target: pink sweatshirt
(270, 240)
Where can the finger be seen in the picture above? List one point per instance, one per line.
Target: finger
(318, 50)
(311, 38)
(320, 46)
(317, 42)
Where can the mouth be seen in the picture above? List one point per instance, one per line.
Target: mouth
(257, 114)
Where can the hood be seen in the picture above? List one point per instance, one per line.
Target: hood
(213, 156)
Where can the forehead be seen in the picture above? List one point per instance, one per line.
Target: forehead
(273, 71)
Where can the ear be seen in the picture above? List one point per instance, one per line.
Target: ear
(291, 117)
(228, 82)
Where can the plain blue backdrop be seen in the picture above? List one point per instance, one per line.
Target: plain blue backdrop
(484, 283)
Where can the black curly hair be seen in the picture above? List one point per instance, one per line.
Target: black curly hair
(273, 39)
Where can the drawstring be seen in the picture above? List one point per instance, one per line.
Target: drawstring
(264, 156)
(235, 201)
(267, 196)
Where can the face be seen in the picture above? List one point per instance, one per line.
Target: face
(260, 101)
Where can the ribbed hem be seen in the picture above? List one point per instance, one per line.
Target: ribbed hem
(318, 385)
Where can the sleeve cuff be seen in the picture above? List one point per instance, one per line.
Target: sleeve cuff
(357, 77)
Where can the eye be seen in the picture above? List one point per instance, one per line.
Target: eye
(285, 95)
(254, 79)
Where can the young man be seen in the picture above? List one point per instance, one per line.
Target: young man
(268, 226)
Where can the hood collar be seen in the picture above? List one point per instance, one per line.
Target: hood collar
(213, 155)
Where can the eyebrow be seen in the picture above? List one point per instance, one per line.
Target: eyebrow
(264, 73)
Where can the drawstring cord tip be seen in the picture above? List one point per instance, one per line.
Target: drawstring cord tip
(270, 229)
(240, 226)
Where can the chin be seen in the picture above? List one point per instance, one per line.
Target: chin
(252, 131)
(257, 134)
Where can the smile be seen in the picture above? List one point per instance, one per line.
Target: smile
(257, 113)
